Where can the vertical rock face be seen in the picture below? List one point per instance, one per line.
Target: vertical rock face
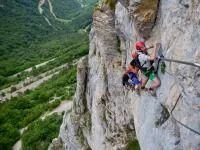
(105, 116)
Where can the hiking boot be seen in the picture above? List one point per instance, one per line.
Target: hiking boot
(132, 88)
(127, 87)
(137, 91)
(152, 92)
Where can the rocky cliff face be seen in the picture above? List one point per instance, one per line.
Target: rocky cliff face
(105, 116)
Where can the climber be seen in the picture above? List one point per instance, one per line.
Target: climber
(145, 62)
(130, 79)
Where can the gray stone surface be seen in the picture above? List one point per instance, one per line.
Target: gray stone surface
(105, 116)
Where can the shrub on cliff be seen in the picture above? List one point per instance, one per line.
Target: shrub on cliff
(111, 3)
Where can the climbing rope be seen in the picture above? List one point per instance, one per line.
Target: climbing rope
(187, 127)
(181, 62)
(171, 112)
(161, 56)
(175, 104)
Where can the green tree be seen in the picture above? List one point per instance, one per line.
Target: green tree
(8, 136)
(40, 133)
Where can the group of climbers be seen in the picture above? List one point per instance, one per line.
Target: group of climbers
(143, 62)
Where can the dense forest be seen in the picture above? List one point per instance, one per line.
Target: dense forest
(25, 35)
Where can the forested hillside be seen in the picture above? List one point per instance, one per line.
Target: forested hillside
(24, 32)
(33, 32)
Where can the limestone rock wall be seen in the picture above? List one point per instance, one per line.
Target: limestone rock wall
(106, 116)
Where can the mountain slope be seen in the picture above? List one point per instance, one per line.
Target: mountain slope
(23, 29)
(107, 116)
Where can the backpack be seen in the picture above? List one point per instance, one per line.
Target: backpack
(135, 62)
(125, 79)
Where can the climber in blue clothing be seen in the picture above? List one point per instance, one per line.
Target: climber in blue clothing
(130, 79)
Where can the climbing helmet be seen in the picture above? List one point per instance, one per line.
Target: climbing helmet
(139, 45)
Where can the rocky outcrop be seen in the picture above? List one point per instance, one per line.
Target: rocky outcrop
(106, 116)
(77, 125)
(56, 144)
(144, 14)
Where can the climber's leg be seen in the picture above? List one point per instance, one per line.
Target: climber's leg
(155, 83)
(144, 81)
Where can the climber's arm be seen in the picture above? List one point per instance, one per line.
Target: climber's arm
(153, 55)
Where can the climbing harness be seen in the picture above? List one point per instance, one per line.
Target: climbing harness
(136, 62)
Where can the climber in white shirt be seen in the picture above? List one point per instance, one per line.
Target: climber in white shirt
(146, 66)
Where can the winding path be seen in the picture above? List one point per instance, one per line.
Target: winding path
(34, 82)
(36, 66)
